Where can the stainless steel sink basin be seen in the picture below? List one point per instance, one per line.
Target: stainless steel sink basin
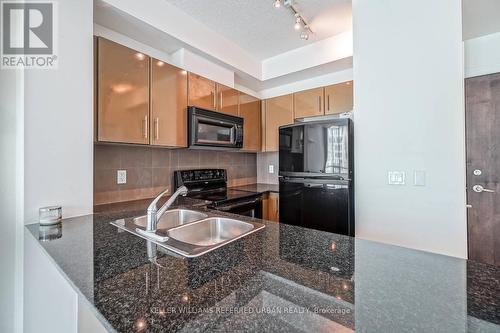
(172, 218)
(191, 233)
(211, 231)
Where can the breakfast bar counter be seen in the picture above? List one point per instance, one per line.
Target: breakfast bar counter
(279, 279)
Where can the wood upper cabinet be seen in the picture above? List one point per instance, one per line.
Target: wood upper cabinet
(168, 105)
(122, 94)
(339, 98)
(227, 100)
(278, 112)
(250, 111)
(309, 103)
(201, 92)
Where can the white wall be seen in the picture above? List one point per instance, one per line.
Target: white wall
(50, 303)
(197, 64)
(58, 120)
(316, 54)
(11, 89)
(482, 55)
(408, 69)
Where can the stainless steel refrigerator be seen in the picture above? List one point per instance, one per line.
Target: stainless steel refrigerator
(316, 175)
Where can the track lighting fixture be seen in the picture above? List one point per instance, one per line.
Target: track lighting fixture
(299, 20)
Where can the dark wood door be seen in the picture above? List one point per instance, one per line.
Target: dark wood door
(483, 167)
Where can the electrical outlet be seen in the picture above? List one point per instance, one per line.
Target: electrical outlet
(271, 168)
(121, 177)
(419, 178)
(396, 177)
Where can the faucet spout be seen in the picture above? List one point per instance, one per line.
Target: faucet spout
(154, 214)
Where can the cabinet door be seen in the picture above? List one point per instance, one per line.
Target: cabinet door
(309, 103)
(123, 94)
(339, 98)
(250, 112)
(201, 92)
(168, 105)
(227, 100)
(273, 207)
(278, 112)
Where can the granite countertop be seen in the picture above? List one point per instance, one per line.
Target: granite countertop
(258, 188)
(279, 279)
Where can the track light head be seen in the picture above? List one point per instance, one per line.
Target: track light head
(297, 24)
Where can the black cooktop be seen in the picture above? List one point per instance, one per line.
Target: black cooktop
(210, 185)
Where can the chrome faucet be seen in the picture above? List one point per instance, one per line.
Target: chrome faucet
(154, 214)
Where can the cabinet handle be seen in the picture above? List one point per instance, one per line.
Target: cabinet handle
(220, 106)
(214, 99)
(328, 102)
(146, 127)
(157, 128)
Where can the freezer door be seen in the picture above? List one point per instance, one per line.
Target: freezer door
(316, 205)
(322, 148)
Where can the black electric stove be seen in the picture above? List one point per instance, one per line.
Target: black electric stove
(211, 185)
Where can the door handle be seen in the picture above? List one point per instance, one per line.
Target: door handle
(479, 189)
(157, 128)
(146, 127)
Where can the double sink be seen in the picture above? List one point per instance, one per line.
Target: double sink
(191, 233)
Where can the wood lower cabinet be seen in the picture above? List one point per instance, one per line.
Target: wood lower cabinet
(122, 94)
(309, 103)
(339, 98)
(168, 105)
(270, 207)
(201, 92)
(278, 111)
(227, 100)
(250, 111)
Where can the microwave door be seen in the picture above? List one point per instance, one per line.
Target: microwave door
(213, 132)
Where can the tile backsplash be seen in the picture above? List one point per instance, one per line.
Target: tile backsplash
(263, 162)
(150, 169)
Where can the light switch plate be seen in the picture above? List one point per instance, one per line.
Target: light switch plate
(396, 177)
(271, 168)
(121, 177)
(419, 178)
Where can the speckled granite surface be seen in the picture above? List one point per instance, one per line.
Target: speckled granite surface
(280, 279)
(259, 188)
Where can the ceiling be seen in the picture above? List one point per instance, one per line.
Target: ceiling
(264, 31)
(480, 17)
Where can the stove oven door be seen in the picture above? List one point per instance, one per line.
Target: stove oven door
(248, 207)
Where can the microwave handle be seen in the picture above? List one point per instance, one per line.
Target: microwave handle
(236, 133)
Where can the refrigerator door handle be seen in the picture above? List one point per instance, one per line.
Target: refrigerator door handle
(315, 181)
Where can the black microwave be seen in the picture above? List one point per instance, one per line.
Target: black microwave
(210, 129)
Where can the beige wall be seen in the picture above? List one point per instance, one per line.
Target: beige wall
(149, 169)
(263, 162)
